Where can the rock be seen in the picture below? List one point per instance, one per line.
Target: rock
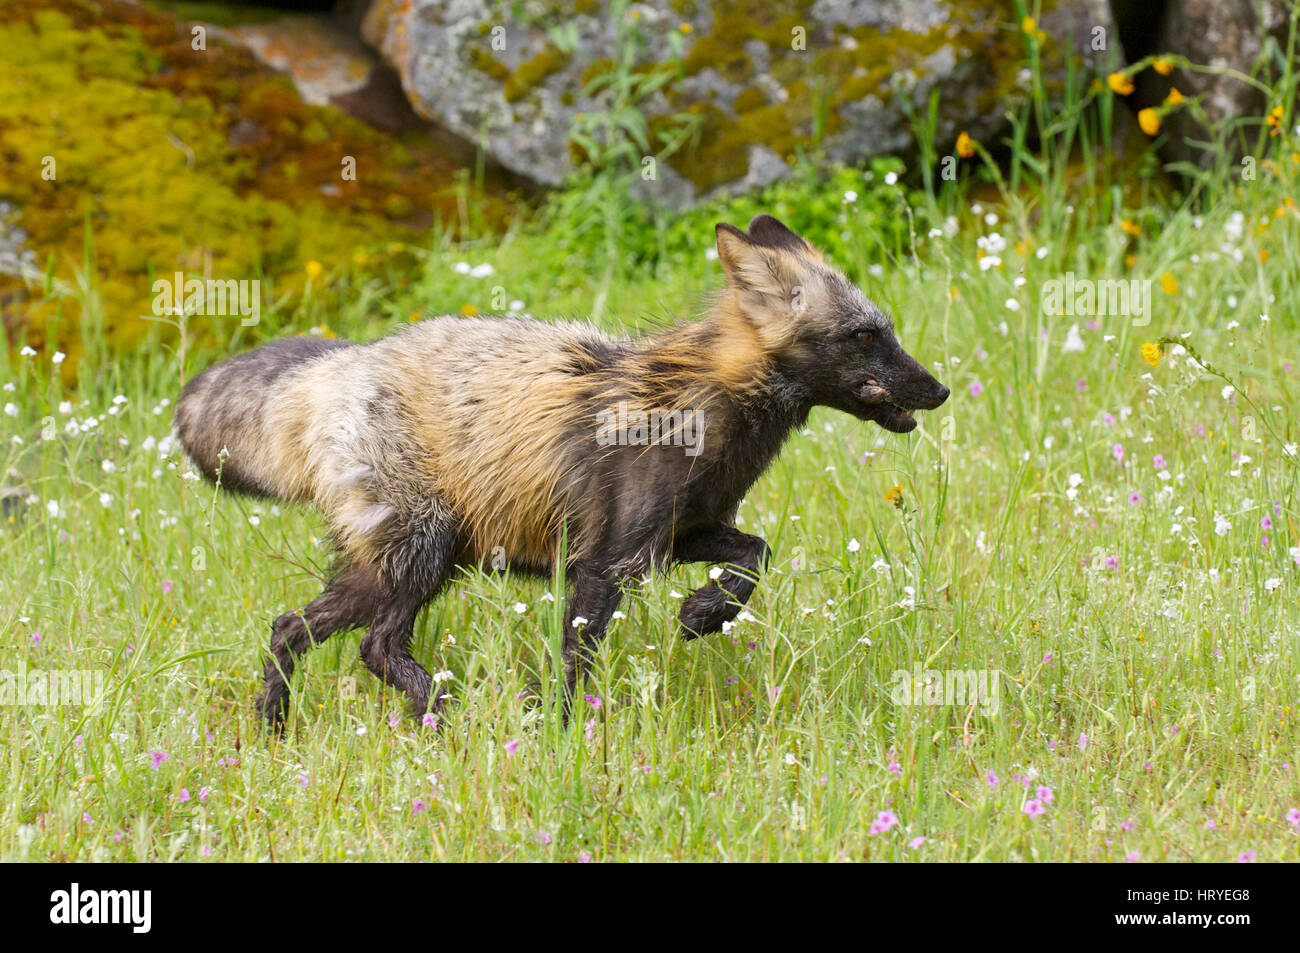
(762, 81)
(323, 59)
(1229, 34)
(331, 65)
(16, 259)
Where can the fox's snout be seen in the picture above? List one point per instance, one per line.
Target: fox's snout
(911, 386)
(938, 394)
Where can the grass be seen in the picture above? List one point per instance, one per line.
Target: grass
(1139, 615)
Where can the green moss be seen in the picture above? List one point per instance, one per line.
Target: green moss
(218, 14)
(749, 100)
(531, 72)
(821, 79)
(397, 206)
(595, 69)
(488, 64)
(314, 132)
(723, 153)
(726, 55)
(171, 162)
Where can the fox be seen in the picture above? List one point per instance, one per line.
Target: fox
(458, 440)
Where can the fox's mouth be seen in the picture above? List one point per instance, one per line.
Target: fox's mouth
(881, 408)
(894, 418)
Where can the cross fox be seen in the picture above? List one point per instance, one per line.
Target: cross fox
(457, 439)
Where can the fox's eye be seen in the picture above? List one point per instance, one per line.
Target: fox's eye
(865, 335)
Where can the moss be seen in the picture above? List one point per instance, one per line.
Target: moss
(530, 73)
(314, 132)
(595, 69)
(488, 64)
(168, 162)
(727, 56)
(820, 80)
(397, 206)
(749, 100)
(723, 153)
(218, 14)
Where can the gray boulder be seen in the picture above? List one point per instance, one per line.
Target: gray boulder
(762, 80)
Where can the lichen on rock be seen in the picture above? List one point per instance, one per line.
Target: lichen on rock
(766, 79)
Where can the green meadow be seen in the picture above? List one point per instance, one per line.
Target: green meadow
(1057, 622)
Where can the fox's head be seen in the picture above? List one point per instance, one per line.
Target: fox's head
(821, 328)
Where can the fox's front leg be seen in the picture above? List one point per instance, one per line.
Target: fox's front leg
(595, 594)
(743, 557)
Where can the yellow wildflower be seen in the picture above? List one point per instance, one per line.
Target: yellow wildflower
(1163, 66)
(1168, 285)
(1275, 120)
(1151, 353)
(1120, 83)
(1149, 121)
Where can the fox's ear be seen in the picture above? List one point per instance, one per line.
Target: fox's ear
(753, 267)
(734, 247)
(773, 233)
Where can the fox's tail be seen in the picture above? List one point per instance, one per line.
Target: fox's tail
(224, 415)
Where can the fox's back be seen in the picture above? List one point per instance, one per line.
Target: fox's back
(477, 415)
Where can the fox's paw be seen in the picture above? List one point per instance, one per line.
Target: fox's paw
(705, 610)
(273, 707)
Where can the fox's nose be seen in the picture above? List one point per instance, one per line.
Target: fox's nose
(941, 395)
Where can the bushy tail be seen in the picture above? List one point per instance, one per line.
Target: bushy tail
(229, 406)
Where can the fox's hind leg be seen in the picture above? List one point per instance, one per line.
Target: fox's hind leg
(743, 556)
(415, 566)
(349, 601)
